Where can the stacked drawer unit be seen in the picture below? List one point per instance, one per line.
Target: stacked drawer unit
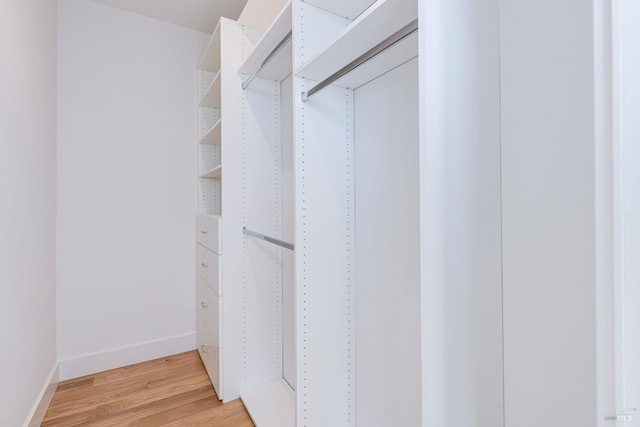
(209, 296)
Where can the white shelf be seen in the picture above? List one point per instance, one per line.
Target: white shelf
(380, 21)
(397, 54)
(214, 135)
(211, 57)
(349, 9)
(271, 405)
(280, 66)
(211, 97)
(214, 173)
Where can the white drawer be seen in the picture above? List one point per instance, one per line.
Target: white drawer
(210, 353)
(208, 232)
(209, 267)
(208, 305)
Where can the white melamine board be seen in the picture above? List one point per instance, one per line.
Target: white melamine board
(231, 190)
(212, 137)
(325, 238)
(261, 261)
(209, 201)
(208, 233)
(288, 235)
(211, 98)
(460, 215)
(260, 14)
(380, 21)
(209, 157)
(215, 172)
(211, 57)
(388, 250)
(280, 66)
(349, 9)
(319, 28)
(548, 200)
(392, 57)
(207, 117)
(271, 405)
(208, 346)
(629, 301)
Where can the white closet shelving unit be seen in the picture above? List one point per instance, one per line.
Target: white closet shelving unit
(357, 213)
(219, 324)
(388, 294)
(267, 167)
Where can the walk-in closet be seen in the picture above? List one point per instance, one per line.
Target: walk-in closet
(320, 213)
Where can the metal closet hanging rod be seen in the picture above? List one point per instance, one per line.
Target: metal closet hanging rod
(396, 37)
(261, 236)
(267, 60)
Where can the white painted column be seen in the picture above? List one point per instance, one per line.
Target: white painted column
(549, 216)
(460, 214)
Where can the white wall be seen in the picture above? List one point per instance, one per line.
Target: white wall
(460, 214)
(27, 206)
(126, 187)
(549, 224)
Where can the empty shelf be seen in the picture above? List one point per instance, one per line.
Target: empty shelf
(260, 62)
(211, 97)
(271, 405)
(213, 173)
(214, 134)
(377, 23)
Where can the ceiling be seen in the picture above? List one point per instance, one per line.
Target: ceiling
(201, 15)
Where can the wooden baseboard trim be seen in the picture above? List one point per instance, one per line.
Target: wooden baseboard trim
(116, 358)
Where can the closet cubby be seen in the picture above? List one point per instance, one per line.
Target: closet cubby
(212, 135)
(269, 368)
(357, 229)
(210, 60)
(271, 57)
(211, 97)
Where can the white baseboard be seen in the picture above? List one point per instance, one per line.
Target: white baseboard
(44, 398)
(116, 358)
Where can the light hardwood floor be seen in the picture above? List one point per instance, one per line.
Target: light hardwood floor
(172, 391)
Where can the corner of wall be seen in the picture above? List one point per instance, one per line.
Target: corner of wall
(36, 416)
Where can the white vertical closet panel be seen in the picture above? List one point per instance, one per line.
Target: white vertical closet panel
(325, 239)
(627, 98)
(460, 214)
(325, 235)
(388, 250)
(288, 234)
(261, 212)
(231, 208)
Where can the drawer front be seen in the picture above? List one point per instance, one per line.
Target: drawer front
(208, 305)
(208, 232)
(210, 353)
(209, 267)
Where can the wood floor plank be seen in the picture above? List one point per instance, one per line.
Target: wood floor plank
(231, 414)
(172, 391)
